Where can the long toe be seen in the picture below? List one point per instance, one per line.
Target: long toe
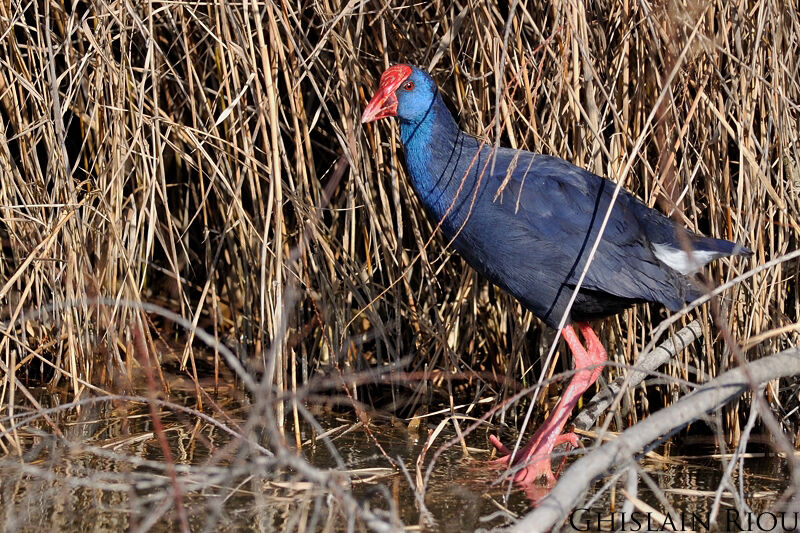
(521, 455)
(499, 446)
(531, 465)
(568, 438)
(538, 467)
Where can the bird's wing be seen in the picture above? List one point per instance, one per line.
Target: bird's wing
(562, 208)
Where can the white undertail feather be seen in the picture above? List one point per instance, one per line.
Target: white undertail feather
(679, 260)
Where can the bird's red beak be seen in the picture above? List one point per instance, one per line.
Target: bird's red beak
(384, 103)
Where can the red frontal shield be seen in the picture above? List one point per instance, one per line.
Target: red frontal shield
(384, 103)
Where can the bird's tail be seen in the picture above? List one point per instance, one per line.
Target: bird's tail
(704, 250)
(719, 247)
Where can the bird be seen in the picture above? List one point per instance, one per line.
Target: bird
(527, 222)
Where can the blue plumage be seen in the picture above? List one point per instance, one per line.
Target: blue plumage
(527, 221)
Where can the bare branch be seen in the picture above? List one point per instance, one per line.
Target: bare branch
(622, 450)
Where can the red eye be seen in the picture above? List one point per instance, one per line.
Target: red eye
(408, 85)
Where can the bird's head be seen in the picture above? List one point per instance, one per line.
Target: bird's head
(404, 92)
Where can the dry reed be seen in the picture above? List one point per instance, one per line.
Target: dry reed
(208, 158)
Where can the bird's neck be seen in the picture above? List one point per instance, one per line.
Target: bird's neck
(434, 147)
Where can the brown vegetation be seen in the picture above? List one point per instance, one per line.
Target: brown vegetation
(208, 158)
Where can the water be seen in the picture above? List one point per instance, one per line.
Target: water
(106, 472)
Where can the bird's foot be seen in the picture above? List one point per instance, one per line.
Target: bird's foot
(533, 461)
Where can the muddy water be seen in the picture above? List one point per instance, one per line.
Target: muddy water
(676, 488)
(106, 472)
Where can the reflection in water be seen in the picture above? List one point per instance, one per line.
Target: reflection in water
(106, 473)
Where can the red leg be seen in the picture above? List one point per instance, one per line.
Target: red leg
(536, 455)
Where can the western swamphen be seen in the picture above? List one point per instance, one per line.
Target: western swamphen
(528, 222)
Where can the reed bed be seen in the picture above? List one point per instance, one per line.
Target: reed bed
(208, 159)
